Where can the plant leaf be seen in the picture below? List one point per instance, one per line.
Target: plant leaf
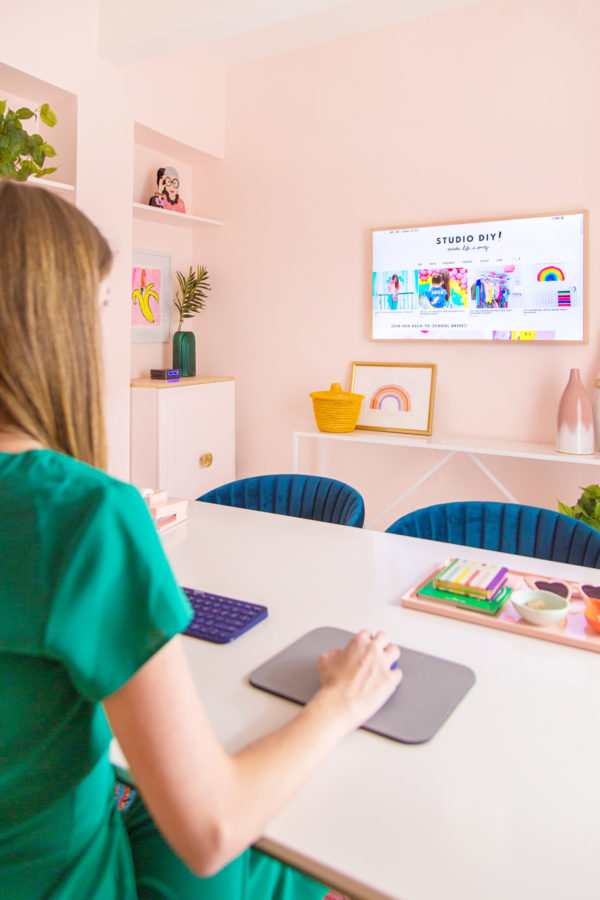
(592, 490)
(591, 521)
(193, 287)
(25, 113)
(8, 169)
(565, 510)
(16, 143)
(47, 115)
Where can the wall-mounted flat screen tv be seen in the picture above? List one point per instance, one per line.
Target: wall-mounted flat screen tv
(517, 279)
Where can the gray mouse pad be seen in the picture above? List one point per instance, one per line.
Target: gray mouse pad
(430, 688)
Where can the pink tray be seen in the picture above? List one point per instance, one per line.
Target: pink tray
(573, 630)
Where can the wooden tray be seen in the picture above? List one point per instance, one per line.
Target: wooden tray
(573, 630)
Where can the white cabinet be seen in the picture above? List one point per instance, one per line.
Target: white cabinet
(183, 435)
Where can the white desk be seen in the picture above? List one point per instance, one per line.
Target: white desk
(502, 804)
(473, 447)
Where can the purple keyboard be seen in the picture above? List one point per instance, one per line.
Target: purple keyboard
(221, 619)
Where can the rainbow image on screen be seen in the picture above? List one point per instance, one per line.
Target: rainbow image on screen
(551, 273)
(398, 396)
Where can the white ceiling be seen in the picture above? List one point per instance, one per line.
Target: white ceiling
(240, 30)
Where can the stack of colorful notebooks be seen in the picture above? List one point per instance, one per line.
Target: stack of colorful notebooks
(470, 585)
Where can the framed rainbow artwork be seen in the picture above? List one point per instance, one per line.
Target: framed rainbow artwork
(397, 396)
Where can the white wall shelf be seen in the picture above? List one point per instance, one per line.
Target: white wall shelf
(53, 185)
(168, 217)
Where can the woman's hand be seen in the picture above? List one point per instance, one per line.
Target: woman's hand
(361, 675)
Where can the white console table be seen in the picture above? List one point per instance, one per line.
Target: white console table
(473, 447)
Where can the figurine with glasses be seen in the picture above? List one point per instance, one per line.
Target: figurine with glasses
(167, 192)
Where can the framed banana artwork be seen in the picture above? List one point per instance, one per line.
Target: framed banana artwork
(150, 296)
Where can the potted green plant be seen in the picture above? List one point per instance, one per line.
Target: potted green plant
(587, 507)
(23, 154)
(189, 300)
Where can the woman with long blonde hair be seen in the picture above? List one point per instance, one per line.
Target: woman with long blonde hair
(89, 619)
(52, 260)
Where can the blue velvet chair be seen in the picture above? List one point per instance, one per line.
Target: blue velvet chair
(508, 527)
(305, 496)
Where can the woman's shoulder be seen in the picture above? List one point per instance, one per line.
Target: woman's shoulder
(61, 502)
(59, 479)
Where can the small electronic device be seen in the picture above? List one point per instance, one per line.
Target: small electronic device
(221, 619)
(165, 374)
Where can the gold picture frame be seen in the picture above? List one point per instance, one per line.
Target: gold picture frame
(399, 401)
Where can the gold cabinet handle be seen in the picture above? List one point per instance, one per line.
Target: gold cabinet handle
(206, 460)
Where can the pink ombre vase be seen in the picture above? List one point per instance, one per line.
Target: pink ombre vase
(575, 421)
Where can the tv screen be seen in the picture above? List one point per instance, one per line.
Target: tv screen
(518, 279)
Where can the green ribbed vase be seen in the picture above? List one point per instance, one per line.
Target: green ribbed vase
(184, 352)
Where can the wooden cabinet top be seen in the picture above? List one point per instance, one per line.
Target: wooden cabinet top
(183, 382)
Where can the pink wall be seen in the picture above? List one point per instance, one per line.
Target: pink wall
(488, 111)
(181, 94)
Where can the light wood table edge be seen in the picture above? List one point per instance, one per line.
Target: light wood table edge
(355, 890)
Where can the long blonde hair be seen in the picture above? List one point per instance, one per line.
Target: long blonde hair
(52, 260)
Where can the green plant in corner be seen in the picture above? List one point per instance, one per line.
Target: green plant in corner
(587, 508)
(194, 289)
(23, 154)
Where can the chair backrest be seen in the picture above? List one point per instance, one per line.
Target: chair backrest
(508, 527)
(304, 496)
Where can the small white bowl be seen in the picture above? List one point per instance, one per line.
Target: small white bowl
(555, 607)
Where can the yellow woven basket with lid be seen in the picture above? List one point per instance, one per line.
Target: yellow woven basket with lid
(336, 410)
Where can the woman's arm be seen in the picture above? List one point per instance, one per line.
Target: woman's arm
(211, 805)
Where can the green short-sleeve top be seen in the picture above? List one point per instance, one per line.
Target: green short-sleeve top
(86, 598)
